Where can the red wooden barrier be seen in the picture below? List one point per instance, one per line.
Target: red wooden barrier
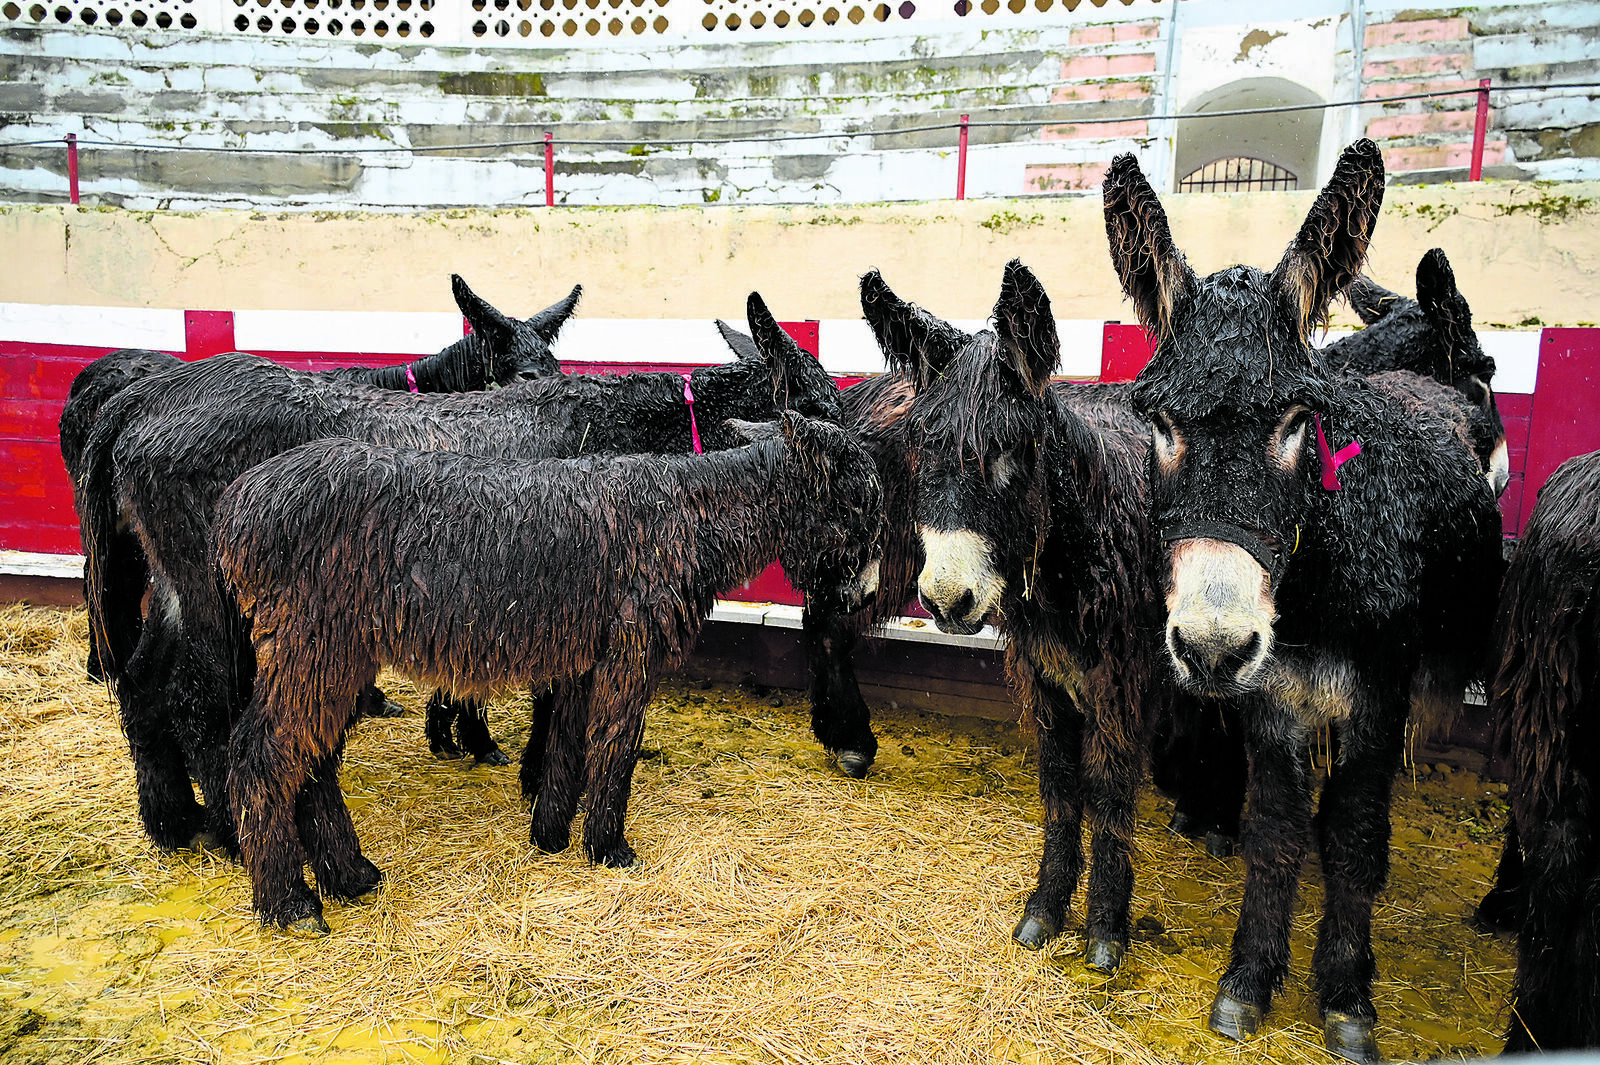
(1562, 421)
(549, 169)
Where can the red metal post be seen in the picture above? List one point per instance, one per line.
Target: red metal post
(72, 167)
(961, 162)
(549, 169)
(1480, 131)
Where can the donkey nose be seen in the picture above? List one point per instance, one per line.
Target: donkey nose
(950, 616)
(1214, 658)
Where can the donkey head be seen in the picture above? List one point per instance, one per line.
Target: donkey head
(521, 349)
(1231, 394)
(979, 426)
(831, 511)
(770, 374)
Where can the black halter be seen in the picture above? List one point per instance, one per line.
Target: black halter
(1271, 559)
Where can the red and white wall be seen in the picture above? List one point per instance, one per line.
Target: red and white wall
(1547, 392)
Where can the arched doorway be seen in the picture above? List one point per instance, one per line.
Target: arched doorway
(1260, 151)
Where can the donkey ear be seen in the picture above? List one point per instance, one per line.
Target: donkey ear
(1441, 301)
(495, 327)
(1026, 327)
(786, 359)
(1327, 253)
(913, 342)
(1448, 311)
(1370, 300)
(548, 322)
(741, 346)
(1153, 272)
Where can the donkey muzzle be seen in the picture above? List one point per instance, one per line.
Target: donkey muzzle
(1219, 616)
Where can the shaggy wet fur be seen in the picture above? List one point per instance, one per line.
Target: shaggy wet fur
(167, 447)
(500, 350)
(1049, 480)
(1367, 583)
(592, 575)
(1547, 644)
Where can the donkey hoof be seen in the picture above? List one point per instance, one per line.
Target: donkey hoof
(553, 843)
(1218, 845)
(854, 763)
(493, 757)
(1103, 955)
(444, 750)
(389, 708)
(1182, 824)
(1350, 1037)
(620, 856)
(1234, 1018)
(311, 927)
(360, 885)
(1033, 932)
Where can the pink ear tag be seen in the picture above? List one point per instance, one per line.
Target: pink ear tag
(694, 428)
(1332, 460)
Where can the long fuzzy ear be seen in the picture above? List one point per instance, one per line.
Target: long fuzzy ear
(1328, 252)
(784, 356)
(1026, 327)
(1370, 300)
(1441, 301)
(494, 327)
(548, 322)
(914, 343)
(1153, 272)
(741, 346)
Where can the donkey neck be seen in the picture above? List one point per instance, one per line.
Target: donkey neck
(736, 502)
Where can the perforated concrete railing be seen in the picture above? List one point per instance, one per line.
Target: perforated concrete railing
(521, 22)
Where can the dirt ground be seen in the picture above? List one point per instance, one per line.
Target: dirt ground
(781, 913)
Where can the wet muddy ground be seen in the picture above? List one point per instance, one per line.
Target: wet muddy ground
(781, 913)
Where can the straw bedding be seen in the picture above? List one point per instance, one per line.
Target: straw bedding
(783, 914)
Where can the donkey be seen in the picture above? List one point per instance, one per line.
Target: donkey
(500, 350)
(1029, 505)
(165, 449)
(1547, 645)
(1292, 605)
(873, 411)
(805, 387)
(348, 556)
(1433, 336)
(1198, 760)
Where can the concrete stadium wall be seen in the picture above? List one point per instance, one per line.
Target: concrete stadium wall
(1072, 88)
(1525, 254)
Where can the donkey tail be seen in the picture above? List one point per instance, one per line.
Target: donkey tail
(115, 570)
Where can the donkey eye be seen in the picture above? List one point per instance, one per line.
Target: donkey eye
(1167, 441)
(1291, 437)
(1001, 469)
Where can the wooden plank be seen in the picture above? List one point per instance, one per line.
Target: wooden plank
(1562, 422)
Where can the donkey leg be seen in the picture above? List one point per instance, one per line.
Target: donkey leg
(533, 753)
(562, 765)
(1353, 838)
(167, 807)
(1202, 766)
(329, 836)
(1111, 772)
(1502, 908)
(472, 732)
(840, 718)
(372, 702)
(1275, 842)
(618, 693)
(200, 698)
(290, 726)
(440, 716)
(1060, 730)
